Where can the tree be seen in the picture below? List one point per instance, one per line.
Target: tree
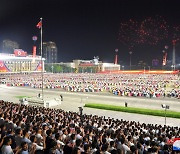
(57, 68)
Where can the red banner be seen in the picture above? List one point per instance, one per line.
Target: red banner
(3, 67)
(20, 53)
(39, 67)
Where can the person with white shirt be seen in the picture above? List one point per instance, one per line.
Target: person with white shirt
(78, 136)
(105, 148)
(39, 136)
(26, 137)
(24, 149)
(112, 146)
(125, 148)
(33, 140)
(6, 148)
(60, 144)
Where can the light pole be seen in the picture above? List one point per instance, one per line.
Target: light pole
(123, 68)
(144, 69)
(149, 68)
(130, 53)
(163, 59)
(165, 107)
(52, 67)
(85, 99)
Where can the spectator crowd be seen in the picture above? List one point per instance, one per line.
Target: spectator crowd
(35, 130)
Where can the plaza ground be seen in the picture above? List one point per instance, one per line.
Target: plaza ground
(72, 100)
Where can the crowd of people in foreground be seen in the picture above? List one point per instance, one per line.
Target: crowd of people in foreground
(137, 85)
(36, 130)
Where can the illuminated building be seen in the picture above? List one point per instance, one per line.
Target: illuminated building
(50, 52)
(20, 62)
(91, 66)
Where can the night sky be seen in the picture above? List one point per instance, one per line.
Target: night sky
(83, 29)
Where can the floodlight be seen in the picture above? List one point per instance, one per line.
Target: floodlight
(165, 107)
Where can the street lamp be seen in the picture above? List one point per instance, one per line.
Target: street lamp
(172, 66)
(52, 67)
(165, 107)
(130, 53)
(85, 99)
(144, 69)
(163, 58)
(81, 107)
(123, 68)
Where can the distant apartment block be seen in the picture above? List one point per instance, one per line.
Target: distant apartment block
(50, 52)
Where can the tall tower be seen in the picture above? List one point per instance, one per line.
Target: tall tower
(130, 53)
(174, 55)
(165, 55)
(116, 57)
(34, 38)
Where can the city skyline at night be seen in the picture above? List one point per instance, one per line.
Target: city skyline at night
(84, 29)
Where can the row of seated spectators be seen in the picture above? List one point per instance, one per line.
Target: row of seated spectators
(33, 130)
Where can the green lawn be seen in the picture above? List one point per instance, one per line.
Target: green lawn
(153, 112)
(20, 97)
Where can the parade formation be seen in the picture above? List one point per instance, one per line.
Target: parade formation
(131, 85)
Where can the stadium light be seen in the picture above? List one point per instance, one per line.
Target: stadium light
(165, 107)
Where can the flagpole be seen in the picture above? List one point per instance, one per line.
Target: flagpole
(41, 62)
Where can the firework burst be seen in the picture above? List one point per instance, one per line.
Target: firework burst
(128, 33)
(149, 31)
(153, 30)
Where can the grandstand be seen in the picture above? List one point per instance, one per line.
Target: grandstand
(55, 131)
